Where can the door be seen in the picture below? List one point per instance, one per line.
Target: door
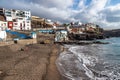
(20, 26)
(10, 25)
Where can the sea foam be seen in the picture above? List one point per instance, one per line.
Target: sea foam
(87, 63)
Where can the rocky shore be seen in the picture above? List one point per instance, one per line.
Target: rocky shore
(36, 61)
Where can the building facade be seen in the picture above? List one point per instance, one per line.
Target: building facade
(2, 11)
(17, 19)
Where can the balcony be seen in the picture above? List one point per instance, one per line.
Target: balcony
(20, 15)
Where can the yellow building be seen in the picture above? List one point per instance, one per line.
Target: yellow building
(38, 22)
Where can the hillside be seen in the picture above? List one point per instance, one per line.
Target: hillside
(112, 33)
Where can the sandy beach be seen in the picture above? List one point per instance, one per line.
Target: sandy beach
(29, 62)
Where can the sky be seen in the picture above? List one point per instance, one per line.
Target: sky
(105, 13)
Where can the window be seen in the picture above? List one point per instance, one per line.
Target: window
(15, 23)
(10, 24)
(23, 12)
(8, 15)
(20, 18)
(28, 21)
(4, 24)
(17, 14)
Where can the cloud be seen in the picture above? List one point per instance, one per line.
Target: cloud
(55, 9)
(96, 11)
(112, 13)
(60, 4)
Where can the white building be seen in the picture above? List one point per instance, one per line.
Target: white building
(8, 15)
(3, 25)
(27, 15)
(22, 20)
(18, 19)
(3, 34)
(28, 20)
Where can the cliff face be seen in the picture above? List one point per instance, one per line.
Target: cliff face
(112, 33)
(2, 18)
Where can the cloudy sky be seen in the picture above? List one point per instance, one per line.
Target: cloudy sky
(105, 13)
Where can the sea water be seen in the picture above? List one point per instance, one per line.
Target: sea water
(91, 62)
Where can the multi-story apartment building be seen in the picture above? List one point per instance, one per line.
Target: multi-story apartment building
(17, 19)
(22, 20)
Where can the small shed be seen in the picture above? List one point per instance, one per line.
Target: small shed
(3, 34)
(61, 36)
